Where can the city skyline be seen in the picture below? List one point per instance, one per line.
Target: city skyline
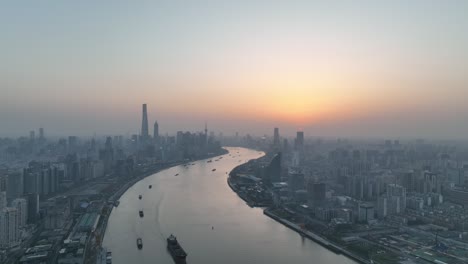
(339, 69)
(246, 131)
(145, 133)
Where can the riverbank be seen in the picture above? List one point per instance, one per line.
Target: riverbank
(116, 196)
(129, 184)
(243, 197)
(249, 188)
(196, 207)
(320, 240)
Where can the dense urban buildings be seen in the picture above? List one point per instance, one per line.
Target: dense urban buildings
(355, 193)
(62, 190)
(234, 132)
(365, 195)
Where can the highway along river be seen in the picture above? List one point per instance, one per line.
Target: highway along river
(211, 222)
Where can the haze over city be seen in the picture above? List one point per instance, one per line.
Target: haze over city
(347, 68)
(234, 132)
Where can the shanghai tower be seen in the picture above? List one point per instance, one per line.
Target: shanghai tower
(144, 124)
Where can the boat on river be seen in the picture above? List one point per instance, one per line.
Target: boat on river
(139, 243)
(176, 251)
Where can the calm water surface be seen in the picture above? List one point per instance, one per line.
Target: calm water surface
(211, 222)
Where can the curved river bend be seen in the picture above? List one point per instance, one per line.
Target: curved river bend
(211, 222)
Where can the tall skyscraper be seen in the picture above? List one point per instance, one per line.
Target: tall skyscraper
(299, 143)
(295, 180)
(273, 170)
(409, 181)
(3, 200)
(30, 180)
(382, 206)
(106, 155)
(21, 206)
(276, 138)
(3, 183)
(180, 138)
(33, 207)
(144, 124)
(156, 132)
(41, 133)
(9, 229)
(206, 134)
(316, 192)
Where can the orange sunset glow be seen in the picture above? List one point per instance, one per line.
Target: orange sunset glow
(285, 65)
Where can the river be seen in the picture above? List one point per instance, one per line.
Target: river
(211, 222)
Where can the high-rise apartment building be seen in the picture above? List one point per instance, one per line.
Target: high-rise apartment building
(316, 193)
(3, 183)
(21, 206)
(3, 200)
(392, 202)
(15, 185)
(9, 228)
(33, 208)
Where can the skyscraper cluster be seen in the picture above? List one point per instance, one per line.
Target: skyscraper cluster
(144, 135)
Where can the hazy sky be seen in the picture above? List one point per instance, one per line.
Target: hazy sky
(357, 68)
